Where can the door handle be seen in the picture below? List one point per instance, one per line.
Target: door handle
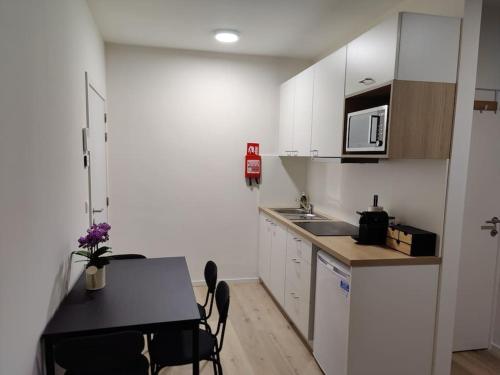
(492, 228)
(367, 81)
(494, 220)
(97, 211)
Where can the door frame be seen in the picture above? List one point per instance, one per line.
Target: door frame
(88, 87)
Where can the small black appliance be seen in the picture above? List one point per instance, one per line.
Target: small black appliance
(373, 225)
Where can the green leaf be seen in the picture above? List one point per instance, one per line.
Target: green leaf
(101, 251)
(82, 253)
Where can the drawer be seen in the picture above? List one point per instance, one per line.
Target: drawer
(298, 248)
(393, 233)
(399, 235)
(398, 245)
(405, 237)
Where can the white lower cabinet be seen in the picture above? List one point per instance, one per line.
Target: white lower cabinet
(265, 241)
(277, 267)
(272, 256)
(298, 281)
(285, 269)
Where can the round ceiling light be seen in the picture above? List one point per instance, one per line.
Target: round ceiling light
(227, 36)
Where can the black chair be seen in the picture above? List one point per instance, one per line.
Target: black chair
(111, 354)
(125, 256)
(176, 348)
(211, 281)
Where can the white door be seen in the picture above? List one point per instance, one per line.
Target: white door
(96, 141)
(371, 58)
(328, 105)
(476, 284)
(287, 100)
(302, 118)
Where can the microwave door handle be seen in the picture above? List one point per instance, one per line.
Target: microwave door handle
(377, 123)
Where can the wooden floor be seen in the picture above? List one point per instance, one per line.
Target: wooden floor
(259, 340)
(477, 362)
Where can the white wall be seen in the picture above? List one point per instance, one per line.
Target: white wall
(179, 123)
(411, 190)
(46, 47)
(457, 182)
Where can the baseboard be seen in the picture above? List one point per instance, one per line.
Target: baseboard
(495, 346)
(238, 280)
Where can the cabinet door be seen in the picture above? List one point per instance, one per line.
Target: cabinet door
(298, 282)
(371, 58)
(302, 120)
(278, 258)
(287, 99)
(265, 236)
(328, 105)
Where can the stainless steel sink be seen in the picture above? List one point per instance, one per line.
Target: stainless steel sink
(298, 214)
(305, 217)
(293, 211)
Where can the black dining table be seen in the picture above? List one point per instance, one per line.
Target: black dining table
(146, 295)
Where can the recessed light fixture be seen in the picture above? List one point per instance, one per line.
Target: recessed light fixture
(227, 36)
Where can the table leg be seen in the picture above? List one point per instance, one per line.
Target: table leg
(196, 349)
(48, 347)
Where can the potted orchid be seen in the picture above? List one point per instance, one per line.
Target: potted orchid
(95, 270)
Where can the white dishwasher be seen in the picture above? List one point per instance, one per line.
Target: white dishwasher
(331, 317)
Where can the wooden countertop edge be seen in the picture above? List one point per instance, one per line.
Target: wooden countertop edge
(401, 260)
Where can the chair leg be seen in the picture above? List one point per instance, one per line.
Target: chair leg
(214, 366)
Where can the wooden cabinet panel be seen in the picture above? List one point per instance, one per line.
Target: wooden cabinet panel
(421, 121)
(328, 105)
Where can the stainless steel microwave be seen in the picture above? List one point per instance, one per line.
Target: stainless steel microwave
(366, 131)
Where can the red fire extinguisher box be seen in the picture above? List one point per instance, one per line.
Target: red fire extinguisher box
(253, 164)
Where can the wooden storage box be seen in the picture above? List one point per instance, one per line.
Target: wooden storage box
(411, 241)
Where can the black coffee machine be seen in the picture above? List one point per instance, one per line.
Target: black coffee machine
(373, 225)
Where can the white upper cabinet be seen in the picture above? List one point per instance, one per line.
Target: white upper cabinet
(287, 100)
(371, 58)
(303, 108)
(328, 105)
(409, 46)
(428, 48)
(296, 101)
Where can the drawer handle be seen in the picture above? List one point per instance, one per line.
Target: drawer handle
(295, 260)
(296, 297)
(367, 81)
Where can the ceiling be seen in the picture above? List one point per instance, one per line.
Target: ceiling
(291, 28)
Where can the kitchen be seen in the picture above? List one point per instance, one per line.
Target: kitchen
(313, 156)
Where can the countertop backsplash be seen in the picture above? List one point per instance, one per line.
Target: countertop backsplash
(414, 191)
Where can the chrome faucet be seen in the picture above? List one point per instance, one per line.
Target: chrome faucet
(305, 204)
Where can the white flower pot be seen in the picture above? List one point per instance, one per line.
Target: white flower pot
(95, 278)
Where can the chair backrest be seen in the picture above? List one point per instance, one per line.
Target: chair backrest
(97, 353)
(211, 276)
(211, 280)
(222, 302)
(126, 256)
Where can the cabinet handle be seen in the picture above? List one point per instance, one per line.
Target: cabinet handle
(296, 297)
(367, 81)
